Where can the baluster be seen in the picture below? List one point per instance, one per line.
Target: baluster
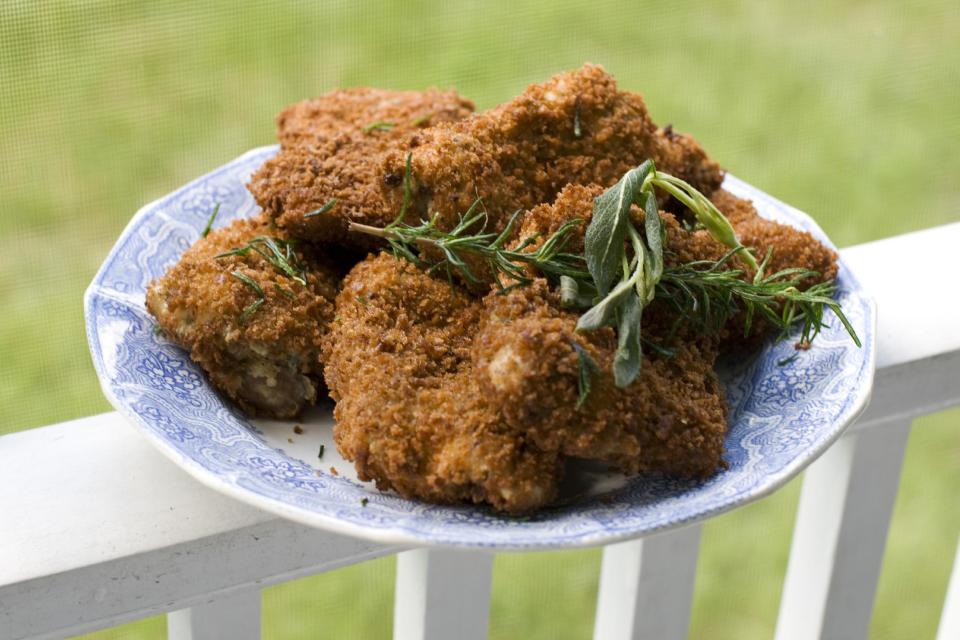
(840, 535)
(646, 587)
(442, 594)
(232, 617)
(950, 618)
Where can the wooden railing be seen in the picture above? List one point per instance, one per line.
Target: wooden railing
(99, 529)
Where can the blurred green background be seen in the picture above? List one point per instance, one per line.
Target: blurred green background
(849, 110)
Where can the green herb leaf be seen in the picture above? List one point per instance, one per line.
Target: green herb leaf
(322, 210)
(213, 216)
(587, 368)
(607, 230)
(626, 361)
(284, 291)
(253, 307)
(380, 125)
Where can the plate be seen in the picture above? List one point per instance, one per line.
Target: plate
(781, 417)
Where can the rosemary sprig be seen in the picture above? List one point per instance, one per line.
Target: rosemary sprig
(707, 294)
(213, 216)
(277, 252)
(380, 125)
(322, 210)
(505, 265)
(251, 308)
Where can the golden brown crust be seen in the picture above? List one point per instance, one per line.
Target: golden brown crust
(671, 419)
(327, 153)
(409, 411)
(268, 363)
(523, 152)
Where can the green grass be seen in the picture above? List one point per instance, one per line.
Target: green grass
(844, 109)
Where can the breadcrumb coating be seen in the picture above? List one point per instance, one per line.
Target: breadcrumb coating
(269, 362)
(575, 128)
(329, 151)
(672, 419)
(410, 413)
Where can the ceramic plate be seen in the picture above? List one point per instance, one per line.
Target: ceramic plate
(781, 417)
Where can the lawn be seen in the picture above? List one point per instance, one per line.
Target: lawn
(847, 110)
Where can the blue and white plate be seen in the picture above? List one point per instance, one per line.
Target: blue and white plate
(781, 418)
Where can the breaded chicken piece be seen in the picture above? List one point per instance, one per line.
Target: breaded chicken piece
(672, 419)
(265, 359)
(574, 128)
(330, 150)
(410, 413)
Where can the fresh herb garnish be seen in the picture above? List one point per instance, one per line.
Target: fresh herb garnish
(380, 125)
(322, 210)
(213, 216)
(504, 264)
(586, 369)
(322, 449)
(364, 502)
(277, 252)
(785, 361)
(251, 308)
(422, 120)
(284, 291)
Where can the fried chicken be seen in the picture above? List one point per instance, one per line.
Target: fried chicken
(330, 150)
(410, 411)
(265, 358)
(575, 128)
(672, 419)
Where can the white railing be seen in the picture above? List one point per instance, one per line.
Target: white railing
(99, 529)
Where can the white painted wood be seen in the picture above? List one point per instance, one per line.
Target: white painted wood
(950, 618)
(231, 617)
(98, 529)
(646, 587)
(917, 318)
(442, 593)
(840, 534)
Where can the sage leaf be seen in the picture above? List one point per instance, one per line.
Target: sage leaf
(654, 231)
(605, 312)
(626, 361)
(607, 230)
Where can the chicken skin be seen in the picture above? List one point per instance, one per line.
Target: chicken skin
(253, 328)
(330, 152)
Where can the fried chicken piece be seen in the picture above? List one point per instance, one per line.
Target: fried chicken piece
(672, 419)
(330, 150)
(266, 358)
(410, 413)
(574, 128)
